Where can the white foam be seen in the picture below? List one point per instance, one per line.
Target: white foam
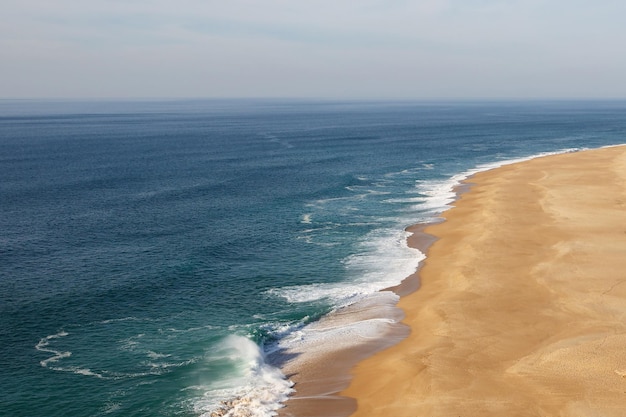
(405, 200)
(439, 194)
(160, 366)
(310, 292)
(383, 258)
(57, 355)
(155, 355)
(111, 407)
(130, 318)
(382, 261)
(80, 371)
(257, 390)
(364, 191)
(374, 318)
(43, 346)
(131, 343)
(191, 329)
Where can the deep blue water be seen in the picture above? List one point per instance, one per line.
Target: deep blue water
(151, 251)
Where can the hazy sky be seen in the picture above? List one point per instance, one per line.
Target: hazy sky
(313, 48)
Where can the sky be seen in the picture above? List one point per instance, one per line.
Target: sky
(422, 49)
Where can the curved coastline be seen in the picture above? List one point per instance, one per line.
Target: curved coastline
(520, 303)
(320, 378)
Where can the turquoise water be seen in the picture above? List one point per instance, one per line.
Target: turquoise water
(153, 252)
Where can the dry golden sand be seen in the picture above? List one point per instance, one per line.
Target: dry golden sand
(522, 305)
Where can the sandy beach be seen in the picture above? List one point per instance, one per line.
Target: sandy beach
(522, 305)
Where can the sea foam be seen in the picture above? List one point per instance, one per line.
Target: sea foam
(383, 259)
(256, 389)
(57, 355)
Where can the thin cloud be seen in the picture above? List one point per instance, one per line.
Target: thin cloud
(425, 48)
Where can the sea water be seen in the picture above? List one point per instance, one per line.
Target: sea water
(152, 253)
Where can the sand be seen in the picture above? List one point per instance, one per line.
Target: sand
(522, 304)
(320, 364)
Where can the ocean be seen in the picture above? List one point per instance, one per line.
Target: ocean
(153, 253)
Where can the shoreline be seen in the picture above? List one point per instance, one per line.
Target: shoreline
(496, 328)
(322, 376)
(362, 329)
(324, 383)
(320, 379)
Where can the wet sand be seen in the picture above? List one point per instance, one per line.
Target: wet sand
(522, 305)
(320, 365)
